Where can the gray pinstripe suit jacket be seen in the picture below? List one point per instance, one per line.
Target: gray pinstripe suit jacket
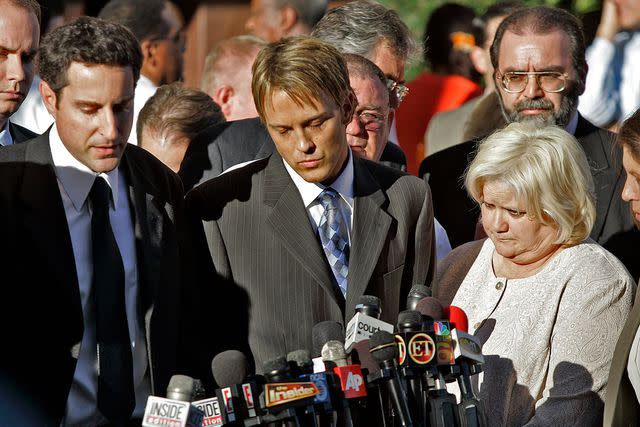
(260, 237)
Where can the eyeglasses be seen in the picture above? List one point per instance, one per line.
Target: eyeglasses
(399, 89)
(548, 81)
(371, 121)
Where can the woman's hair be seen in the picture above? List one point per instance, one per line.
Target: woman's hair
(548, 171)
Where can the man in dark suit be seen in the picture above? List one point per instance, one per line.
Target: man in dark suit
(539, 59)
(20, 35)
(310, 229)
(95, 247)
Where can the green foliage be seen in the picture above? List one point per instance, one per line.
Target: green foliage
(415, 14)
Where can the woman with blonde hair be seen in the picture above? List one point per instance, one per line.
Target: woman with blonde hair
(547, 302)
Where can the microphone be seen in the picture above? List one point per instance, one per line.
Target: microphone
(415, 352)
(383, 348)
(365, 322)
(468, 354)
(321, 333)
(323, 404)
(171, 411)
(416, 293)
(229, 370)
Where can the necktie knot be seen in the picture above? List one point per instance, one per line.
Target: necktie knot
(328, 198)
(100, 194)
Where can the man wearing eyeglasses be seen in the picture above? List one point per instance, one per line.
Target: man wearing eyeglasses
(159, 27)
(539, 59)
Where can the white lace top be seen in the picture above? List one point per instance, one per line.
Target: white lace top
(548, 339)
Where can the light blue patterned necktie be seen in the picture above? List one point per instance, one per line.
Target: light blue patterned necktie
(334, 237)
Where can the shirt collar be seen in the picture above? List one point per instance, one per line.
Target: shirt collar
(145, 83)
(310, 191)
(573, 123)
(5, 135)
(76, 178)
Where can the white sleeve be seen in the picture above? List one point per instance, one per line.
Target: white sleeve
(600, 102)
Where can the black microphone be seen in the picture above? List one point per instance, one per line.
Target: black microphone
(383, 348)
(365, 322)
(321, 333)
(229, 370)
(409, 325)
(416, 293)
(300, 362)
(176, 409)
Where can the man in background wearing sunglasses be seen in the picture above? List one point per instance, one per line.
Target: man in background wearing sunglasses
(540, 70)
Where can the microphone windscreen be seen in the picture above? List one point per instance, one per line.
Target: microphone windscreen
(301, 357)
(279, 364)
(333, 351)
(409, 318)
(360, 355)
(326, 331)
(457, 318)
(229, 367)
(430, 307)
(382, 346)
(369, 300)
(180, 388)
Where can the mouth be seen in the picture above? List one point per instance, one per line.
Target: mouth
(107, 150)
(533, 111)
(13, 95)
(309, 164)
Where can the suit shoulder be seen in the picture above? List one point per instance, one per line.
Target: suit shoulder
(210, 197)
(152, 168)
(14, 152)
(390, 178)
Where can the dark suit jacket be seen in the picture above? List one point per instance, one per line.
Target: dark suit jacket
(613, 227)
(621, 407)
(41, 310)
(19, 133)
(232, 143)
(260, 237)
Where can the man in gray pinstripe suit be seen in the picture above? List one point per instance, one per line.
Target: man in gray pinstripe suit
(265, 223)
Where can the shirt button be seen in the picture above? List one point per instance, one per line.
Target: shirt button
(499, 286)
(476, 325)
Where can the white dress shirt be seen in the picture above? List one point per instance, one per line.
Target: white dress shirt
(145, 89)
(633, 365)
(612, 91)
(32, 113)
(5, 135)
(309, 191)
(75, 181)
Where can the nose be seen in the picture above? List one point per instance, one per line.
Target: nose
(109, 125)
(15, 68)
(496, 220)
(355, 127)
(630, 190)
(533, 89)
(303, 142)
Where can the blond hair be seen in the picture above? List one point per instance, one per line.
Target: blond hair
(304, 68)
(546, 168)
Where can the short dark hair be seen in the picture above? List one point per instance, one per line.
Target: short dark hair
(177, 110)
(544, 20)
(142, 17)
(629, 134)
(30, 5)
(88, 41)
(497, 10)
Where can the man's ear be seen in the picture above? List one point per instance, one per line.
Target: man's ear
(288, 19)
(392, 115)
(148, 48)
(222, 97)
(49, 98)
(479, 59)
(582, 77)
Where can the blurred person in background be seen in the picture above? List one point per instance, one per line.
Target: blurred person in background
(159, 27)
(226, 76)
(272, 20)
(448, 41)
(481, 115)
(172, 118)
(622, 406)
(546, 301)
(19, 41)
(612, 91)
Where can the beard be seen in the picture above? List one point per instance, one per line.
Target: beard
(560, 118)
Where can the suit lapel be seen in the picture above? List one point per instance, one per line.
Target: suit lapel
(290, 222)
(148, 223)
(605, 183)
(44, 218)
(370, 228)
